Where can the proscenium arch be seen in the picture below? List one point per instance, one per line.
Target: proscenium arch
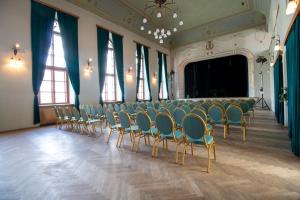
(179, 69)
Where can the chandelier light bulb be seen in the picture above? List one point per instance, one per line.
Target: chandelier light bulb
(162, 31)
(142, 28)
(168, 32)
(161, 41)
(160, 37)
(181, 23)
(156, 36)
(157, 30)
(175, 15)
(145, 20)
(158, 14)
(149, 32)
(165, 35)
(174, 30)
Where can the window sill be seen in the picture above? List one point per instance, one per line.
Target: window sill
(52, 105)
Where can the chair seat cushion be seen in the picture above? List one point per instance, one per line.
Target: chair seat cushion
(133, 128)
(209, 140)
(178, 134)
(116, 126)
(154, 131)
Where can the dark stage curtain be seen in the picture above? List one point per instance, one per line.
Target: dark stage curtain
(278, 86)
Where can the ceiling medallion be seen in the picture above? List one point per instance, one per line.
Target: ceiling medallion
(166, 12)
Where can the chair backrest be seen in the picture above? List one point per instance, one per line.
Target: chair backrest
(194, 127)
(56, 112)
(156, 105)
(84, 115)
(122, 107)
(130, 109)
(178, 115)
(117, 108)
(68, 113)
(110, 108)
(61, 112)
(200, 113)
(205, 106)
(93, 110)
(186, 108)
(143, 121)
(164, 124)
(76, 114)
(152, 113)
(244, 107)
(234, 114)
(139, 109)
(150, 105)
(124, 119)
(110, 118)
(216, 114)
(164, 110)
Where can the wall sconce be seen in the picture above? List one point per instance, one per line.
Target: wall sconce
(14, 60)
(154, 79)
(291, 7)
(129, 73)
(277, 43)
(89, 68)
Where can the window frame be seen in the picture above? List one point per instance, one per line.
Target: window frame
(163, 77)
(142, 77)
(114, 75)
(53, 69)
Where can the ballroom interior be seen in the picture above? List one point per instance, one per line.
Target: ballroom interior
(149, 99)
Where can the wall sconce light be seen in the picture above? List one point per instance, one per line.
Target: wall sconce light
(277, 43)
(14, 60)
(154, 79)
(291, 7)
(89, 68)
(129, 73)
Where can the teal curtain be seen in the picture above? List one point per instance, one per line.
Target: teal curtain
(160, 63)
(293, 75)
(102, 42)
(139, 55)
(278, 85)
(118, 50)
(69, 31)
(146, 55)
(42, 19)
(166, 73)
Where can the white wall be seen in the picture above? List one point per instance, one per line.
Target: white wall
(16, 95)
(248, 44)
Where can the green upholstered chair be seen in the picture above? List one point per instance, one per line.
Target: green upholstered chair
(76, 118)
(195, 133)
(113, 126)
(217, 116)
(126, 128)
(85, 122)
(186, 108)
(152, 114)
(166, 131)
(235, 117)
(145, 129)
(178, 116)
(164, 110)
(117, 108)
(203, 116)
(122, 107)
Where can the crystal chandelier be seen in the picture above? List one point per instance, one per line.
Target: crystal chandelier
(166, 12)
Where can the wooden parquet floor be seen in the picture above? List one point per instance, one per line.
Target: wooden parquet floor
(47, 163)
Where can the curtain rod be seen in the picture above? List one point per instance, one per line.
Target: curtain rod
(162, 52)
(141, 44)
(98, 26)
(56, 8)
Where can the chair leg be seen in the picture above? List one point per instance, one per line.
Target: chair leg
(192, 149)
(157, 147)
(163, 144)
(215, 157)
(110, 132)
(149, 139)
(133, 143)
(153, 147)
(138, 144)
(122, 138)
(176, 158)
(244, 133)
(208, 158)
(225, 131)
(167, 144)
(183, 152)
(118, 138)
(145, 140)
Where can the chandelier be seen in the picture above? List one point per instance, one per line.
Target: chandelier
(164, 11)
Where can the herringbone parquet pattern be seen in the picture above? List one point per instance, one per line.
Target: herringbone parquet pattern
(47, 163)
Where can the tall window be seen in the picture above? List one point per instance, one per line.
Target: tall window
(143, 92)
(111, 91)
(55, 85)
(163, 94)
